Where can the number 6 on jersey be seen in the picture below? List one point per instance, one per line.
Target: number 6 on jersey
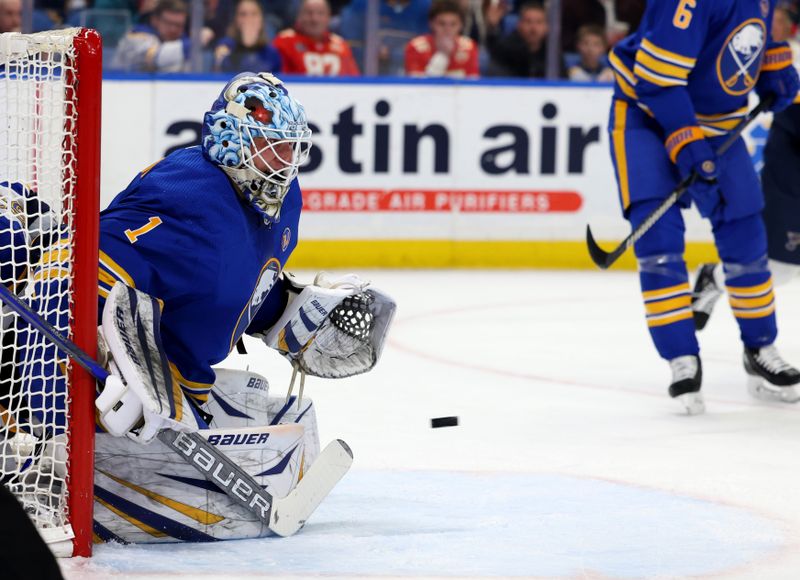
(683, 15)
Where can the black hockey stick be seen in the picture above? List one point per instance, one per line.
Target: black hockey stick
(283, 516)
(604, 259)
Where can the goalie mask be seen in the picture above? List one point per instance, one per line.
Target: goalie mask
(258, 134)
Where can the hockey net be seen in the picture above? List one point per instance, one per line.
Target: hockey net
(49, 206)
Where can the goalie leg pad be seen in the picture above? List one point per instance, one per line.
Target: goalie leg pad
(148, 494)
(238, 399)
(131, 331)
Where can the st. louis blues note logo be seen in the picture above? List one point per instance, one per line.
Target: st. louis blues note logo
(740, 58)
(286, 237)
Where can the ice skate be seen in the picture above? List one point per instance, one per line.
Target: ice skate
(705, 294)
(687, 376)
(770, 378)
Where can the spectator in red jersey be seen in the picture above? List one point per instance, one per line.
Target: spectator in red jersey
(310, 48)
(10, 15)
(246, 46)
(443, 52)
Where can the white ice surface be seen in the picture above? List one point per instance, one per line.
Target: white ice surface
(570, 461)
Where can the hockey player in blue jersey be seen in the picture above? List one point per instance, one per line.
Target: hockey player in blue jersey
(682, 82)
(192, 255)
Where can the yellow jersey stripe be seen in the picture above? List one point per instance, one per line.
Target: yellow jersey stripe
(666, 55)
(109, 264)
(664, 292)
(737, 114)
(192, 384)
(760, 313)
(750, 291)
(752, 302)
(620, 155)
(50, 274)
(105, 278)
(663, 306)
(677, 317)
(657, 79)
(662, 68)
(620, 68)
(55, 256)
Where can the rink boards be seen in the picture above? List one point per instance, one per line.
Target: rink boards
(419, 173)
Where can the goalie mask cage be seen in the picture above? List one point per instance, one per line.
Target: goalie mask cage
(50, 86)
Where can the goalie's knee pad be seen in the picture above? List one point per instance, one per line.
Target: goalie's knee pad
(241, 399)
(149, 494)
(238, 399)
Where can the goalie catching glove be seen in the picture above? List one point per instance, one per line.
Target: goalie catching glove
(333, 328)
(140, 398)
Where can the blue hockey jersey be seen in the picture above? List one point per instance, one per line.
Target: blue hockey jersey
(693, 62)
(181, 233)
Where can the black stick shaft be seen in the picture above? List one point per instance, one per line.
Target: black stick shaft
(605, 259)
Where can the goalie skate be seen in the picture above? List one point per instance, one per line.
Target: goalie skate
(687, 376)
(769, 377)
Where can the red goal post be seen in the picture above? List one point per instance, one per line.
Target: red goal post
(50, 93)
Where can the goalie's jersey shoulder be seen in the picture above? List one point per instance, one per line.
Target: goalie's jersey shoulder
(181, 233)
(714, 49)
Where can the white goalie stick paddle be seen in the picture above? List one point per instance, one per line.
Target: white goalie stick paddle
(284, 516)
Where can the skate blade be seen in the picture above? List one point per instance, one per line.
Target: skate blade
(692, 403)
(764, 391)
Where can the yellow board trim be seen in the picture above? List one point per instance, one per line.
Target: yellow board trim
(408, 254)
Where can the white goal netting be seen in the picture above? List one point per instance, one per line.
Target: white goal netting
(38, 113)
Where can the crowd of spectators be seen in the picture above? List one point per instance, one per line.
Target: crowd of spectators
(420, 38)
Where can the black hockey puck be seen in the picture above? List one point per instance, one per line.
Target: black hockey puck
(437, 422)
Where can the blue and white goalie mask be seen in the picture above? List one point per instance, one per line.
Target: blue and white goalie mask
(258, 134)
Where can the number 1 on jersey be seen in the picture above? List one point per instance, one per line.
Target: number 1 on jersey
(683, 15)
(133, 235)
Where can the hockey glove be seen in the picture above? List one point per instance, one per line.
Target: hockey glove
(778, 78)
(333, 328)
(696, 160)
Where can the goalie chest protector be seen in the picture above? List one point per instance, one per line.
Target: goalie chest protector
(181, 233)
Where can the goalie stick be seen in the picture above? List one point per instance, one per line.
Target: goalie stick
(283, 516)
(605, 259)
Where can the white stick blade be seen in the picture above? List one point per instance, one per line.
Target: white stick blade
(291, 512)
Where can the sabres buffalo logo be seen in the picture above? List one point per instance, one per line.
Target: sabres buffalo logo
(266, 280)
(740, 58)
